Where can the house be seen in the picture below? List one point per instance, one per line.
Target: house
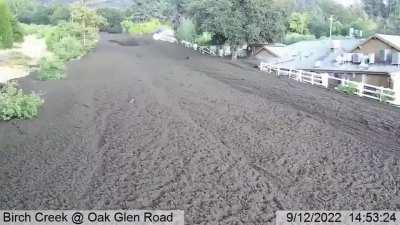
(374, 61)
(304, 54)
(382, 49)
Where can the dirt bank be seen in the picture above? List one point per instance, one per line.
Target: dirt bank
(156, 126)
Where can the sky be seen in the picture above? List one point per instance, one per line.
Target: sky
(347, 2)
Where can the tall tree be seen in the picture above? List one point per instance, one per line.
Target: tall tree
(114, 18)
(24, 10)
(89, 21)
(143, 10)
(60, 13)
(298, 23)
(6, 31)
(239, 22)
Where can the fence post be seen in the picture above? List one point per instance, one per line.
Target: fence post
(312, 78)
(396, 87)
(325, 79)
(299, 76)
(361, 89)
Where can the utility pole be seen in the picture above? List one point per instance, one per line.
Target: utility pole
(331, 26)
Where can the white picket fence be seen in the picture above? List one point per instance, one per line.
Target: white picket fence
(202, 49)
(322, 79)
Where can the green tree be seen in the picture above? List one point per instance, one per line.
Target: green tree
(18, 32)
(366, 25)
(60, 13)
(6, 31)
(88, 20)
(186, 31)
(298, 23)
(144, 10)
(126, 25)
(24, 10)
(41, 15)
(114, 18)
(240, 22)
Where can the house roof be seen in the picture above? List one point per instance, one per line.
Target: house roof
(391, 40)
(306, 53)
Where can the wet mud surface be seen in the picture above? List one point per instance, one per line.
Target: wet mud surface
(161, 127)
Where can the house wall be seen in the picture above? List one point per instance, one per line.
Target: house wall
(374, 46)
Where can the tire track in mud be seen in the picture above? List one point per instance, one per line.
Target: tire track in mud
(226, 144)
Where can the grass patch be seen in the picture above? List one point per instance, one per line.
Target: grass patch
(39, 30)
(145, 28)
(14, 104)
(386, 98)
(348, 89)
(68, 48)
(51, 68)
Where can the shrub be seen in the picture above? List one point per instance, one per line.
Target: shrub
(144, 28)
(292, 38)
(51, 68)
(60, 13)
(87, 36)
(186, 31)
(349, 88)
(14, 104)
(18, 32)
(204, 39)
(114, 18)
(33, 29)
(386, 98)
(126, 25)
(61, 31)
(6, 31)
(68, 48)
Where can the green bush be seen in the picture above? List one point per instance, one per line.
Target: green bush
(68, 48)
(61, 31)
(349, 88)
(60, 13)
(33, 29)
(386, 98)
(6, 31)
(87, 36)
(292, 38)
(147, 27)
(204, 39)
(14, 104)
(114, 18)
(18, 32)
(126, 25)
(51, 68)
(186, 31)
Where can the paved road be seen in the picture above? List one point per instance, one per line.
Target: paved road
(145, 125)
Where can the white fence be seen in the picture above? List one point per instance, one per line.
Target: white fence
(323, 79)
(202, 49)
